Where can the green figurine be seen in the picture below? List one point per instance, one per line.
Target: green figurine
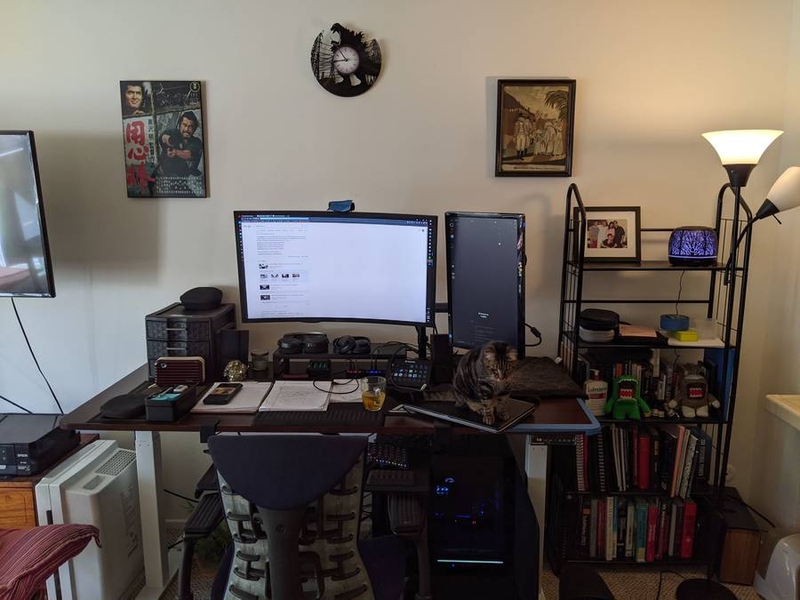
(625, 400)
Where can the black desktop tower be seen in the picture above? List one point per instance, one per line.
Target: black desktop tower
(482, 529)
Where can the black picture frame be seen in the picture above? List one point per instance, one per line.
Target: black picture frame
(535, 127)
(621, 243)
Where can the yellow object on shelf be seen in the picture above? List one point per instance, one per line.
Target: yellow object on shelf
(687, 335)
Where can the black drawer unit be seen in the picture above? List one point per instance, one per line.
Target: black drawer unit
(175, 331)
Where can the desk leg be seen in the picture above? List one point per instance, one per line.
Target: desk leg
(536, 471)
(148, 467)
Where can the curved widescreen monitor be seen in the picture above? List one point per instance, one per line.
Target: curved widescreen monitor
(25, 266)
(328, 266)
(486, 278)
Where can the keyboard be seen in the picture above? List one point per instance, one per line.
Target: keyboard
(384, 456)
(337, 415)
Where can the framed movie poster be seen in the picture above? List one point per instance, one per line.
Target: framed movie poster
(535, 123)
(163, 130)
(613, 233)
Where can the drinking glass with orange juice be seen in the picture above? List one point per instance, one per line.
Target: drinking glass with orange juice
(373, 392)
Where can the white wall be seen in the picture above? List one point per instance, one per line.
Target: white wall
(776, 486)
(650, 78)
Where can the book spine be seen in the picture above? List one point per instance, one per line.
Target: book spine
(611, 528)
(601, 528)
(580, 458)
(663, 529)
(644, 460)
(583, 540)
(689, 521)
(622, 526)
(688, 464)
(630, 528)
(601, 461)
(641, 529)
(593, 529)
(652, 527)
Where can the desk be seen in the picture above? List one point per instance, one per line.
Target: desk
(552, 416)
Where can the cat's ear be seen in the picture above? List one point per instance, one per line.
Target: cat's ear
(490, 352)
(512, 354)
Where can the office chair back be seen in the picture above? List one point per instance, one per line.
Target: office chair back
(293, 505)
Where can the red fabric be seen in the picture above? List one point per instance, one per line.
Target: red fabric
(29, 556)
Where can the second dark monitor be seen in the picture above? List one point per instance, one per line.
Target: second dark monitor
(486, 278)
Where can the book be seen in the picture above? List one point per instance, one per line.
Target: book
(517, 411)
(593, 528)
(630, 527)
(663, 529)
(676, 528)
(688, 462)
(689, 522)
(641, 529)
(703, 454)
(652, 529)
(644, 442)
(611, 527)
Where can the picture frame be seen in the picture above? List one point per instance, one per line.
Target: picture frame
(535, 127)
(613, 234)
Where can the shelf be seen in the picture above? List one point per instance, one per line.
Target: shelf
(627, 562)
(711, 420)
(646, 265)
(582, 344)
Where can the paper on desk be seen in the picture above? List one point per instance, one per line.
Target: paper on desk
(296, 395)
(345, 390)
(247, 400)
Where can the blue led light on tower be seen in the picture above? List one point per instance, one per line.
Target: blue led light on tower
(693, 246)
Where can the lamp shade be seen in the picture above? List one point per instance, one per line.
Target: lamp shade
(741, 146)
(783, 195)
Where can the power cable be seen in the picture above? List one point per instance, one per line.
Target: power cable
(33, 354)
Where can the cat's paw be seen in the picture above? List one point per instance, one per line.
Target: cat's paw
(488, 417)
(502, 415)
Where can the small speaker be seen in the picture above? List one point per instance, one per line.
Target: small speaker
(174, 370)
(234, 344)
(442, 358)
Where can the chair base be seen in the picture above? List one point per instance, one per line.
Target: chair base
(703, 589)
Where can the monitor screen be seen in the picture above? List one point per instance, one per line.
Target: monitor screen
(486, 278)
(327, 266)
(25, 267)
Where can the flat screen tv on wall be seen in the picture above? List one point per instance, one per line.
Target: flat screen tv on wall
(25, 266)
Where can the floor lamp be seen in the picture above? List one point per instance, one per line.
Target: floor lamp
(739, 151)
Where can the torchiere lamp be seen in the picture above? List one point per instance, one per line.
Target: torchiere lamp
(739, 151)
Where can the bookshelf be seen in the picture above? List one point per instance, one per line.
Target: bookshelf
(637, 492)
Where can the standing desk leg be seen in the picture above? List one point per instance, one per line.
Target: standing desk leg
(536, 471)
(148, 467)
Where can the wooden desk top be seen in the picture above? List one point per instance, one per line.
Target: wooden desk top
(557, 413)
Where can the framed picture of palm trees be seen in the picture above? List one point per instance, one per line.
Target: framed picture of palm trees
(535, 126)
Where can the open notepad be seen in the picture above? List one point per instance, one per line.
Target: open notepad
(284, 395)
(310, 395)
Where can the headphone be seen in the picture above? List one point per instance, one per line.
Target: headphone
(349, 344)
(303, 343)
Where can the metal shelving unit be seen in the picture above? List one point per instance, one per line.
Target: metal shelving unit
(724, 302)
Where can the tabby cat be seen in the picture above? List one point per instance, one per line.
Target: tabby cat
(481, 380)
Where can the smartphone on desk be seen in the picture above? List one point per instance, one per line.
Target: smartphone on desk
(223, 393)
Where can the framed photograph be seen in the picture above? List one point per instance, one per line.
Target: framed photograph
(535, 123)
(613, 233)
(164, 136)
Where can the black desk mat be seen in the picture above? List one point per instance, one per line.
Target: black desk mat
(337, 415)
(541, 376)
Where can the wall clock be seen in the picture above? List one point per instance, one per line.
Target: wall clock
(344, 62)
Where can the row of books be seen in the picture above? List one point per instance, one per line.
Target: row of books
(669, 458)
(636, 528)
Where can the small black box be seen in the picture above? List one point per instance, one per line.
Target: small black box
(170, 404)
